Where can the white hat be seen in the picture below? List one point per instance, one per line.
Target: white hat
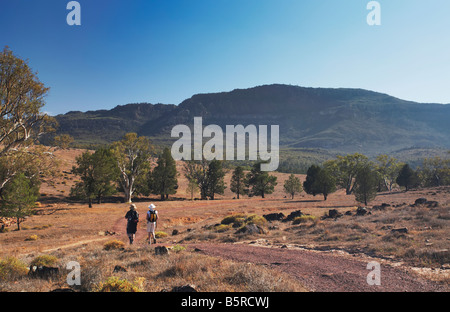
(151, 206)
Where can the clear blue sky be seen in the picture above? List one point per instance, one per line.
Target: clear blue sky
(164, 51)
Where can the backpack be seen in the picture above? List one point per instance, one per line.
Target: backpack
(133, 216)
(152, 216)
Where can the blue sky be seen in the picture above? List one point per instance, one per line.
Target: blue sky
(164, 51)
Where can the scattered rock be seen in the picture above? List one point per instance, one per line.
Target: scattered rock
(251, 229)
(400, 230)
(348, 213)
(334, 214)
(420, 201)
(293, 215)
(432, 204)
(424, 202)
(274, 217)
(383, 206)
(43, 271)
(161, 250)
(361, 211)
(175, 232)
(119, 268)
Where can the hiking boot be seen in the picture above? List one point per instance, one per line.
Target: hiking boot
(154, 241)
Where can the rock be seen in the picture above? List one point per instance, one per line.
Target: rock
(432, 204)
(383, 206)
(333, 213)
(293, 215)
(420, 201)
(348, 213)
(274, 217)
(161, 250)
(175, 232)
(184, 288)
(119, 268)
(43, 271)
(424, 202)
(251, 229)
(361, 211)
(400, 230)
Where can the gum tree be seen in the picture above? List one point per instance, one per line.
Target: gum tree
(22, 97)
(132, 155)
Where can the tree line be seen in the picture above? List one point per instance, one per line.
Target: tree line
(365, 178)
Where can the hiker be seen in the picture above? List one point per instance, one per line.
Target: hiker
(132, 217)
(152, 217)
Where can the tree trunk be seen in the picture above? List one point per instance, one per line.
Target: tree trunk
(162, 196)
(128, 196)
(18, 224)
(90, 202)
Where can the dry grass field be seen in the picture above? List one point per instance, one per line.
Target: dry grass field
(71, 231)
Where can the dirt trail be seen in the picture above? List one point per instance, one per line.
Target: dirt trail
(321, 271)
(317, 270)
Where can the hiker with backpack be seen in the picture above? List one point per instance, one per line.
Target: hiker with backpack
(132, 217)
(152, 217)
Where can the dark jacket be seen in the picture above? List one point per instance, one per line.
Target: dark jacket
(133, 219)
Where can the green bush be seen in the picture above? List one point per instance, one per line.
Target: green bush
(178, 248)
(161, 234)
(44, 260)
(12, 268)
(113, 245)
(238, 218)
(303, 219)
(255, 219)
(31, 237)
(115, 284)
(221, 228)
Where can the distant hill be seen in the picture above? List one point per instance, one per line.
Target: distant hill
(345, 120)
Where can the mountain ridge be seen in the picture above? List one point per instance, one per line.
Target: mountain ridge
(345, 119)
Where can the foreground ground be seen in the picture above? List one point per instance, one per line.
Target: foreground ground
(312, 254)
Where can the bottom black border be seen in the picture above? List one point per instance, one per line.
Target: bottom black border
(177, 301)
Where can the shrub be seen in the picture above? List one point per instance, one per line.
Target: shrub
(115, 284)
(12, 268)
(178, 248)
(32, 238)
(238, 218)
(304, 219)
(44, 260)
(255, 219)
(113, 245)
(221, 228)
(161, 234)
